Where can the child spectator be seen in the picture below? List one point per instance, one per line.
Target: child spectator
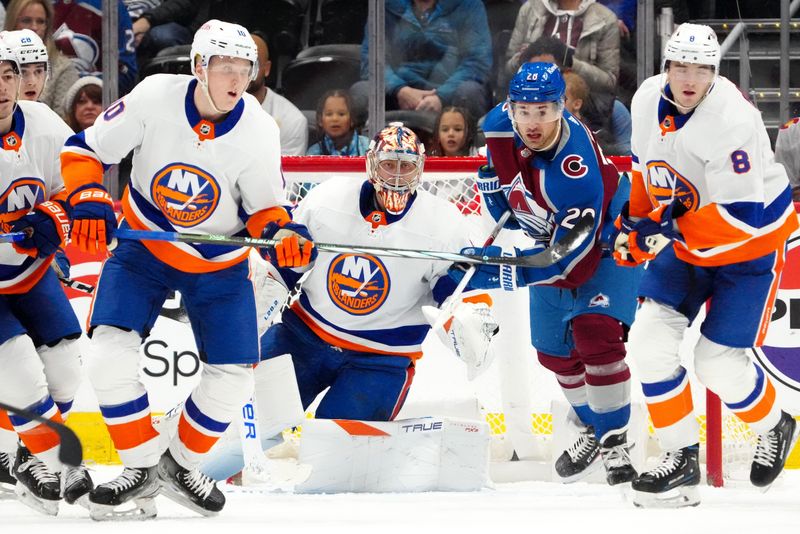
(577, 93)
(37, 15)
(454, 133)
(83, 103)
(335, 120)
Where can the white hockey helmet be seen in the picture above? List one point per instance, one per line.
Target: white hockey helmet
(27, 45)
(219, 38)
(7, 54)
(693, 43)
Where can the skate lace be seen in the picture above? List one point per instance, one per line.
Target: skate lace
(582, 446)
(766, 449)
(669, 462)
(617, 456)
(5, 461)
(74, 475)
(198, 483)
(40, 471)
(126, 480)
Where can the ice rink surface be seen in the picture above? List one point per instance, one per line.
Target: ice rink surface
(523, 507)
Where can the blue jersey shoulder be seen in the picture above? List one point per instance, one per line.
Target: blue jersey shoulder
(497, 120)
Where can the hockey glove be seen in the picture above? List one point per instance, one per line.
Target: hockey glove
(618, 240)
(467, 330)
(93, 219)
(486, 276)
(290, 252)
(650, 235)
(493, 196)
(47, 227)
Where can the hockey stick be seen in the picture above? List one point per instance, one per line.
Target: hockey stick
(547, 257)
(71, 451)
(13, 237)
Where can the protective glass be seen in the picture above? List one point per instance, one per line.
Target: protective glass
(690, 72)
(535, 112)
(34, 73)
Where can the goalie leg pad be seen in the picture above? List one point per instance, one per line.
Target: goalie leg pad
(277, 396)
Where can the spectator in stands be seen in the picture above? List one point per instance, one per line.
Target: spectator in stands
(37, 15)
(588, 34)
(787, 152)
(166, 24)
(339, 134)
(83, 103)
(291, 121)
(601, 111)
(137, 7)
(454, 133)
(576, 94)
(78, 34)
(438, 53)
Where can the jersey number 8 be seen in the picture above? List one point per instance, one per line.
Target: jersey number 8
(741, 162)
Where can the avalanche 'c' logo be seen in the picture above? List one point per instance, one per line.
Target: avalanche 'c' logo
(186, 195)
(18, 199)
(358, 284)
(664, 184)
(572, 166)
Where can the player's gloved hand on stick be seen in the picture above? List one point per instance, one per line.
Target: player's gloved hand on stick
(486, 276)
(650, 235)
(618, 240)
(295, 249)
(47, 227)
(493, 195)
(62, 263)
(94, 222)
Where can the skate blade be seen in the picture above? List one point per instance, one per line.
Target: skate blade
(7, 492)
(679, 497)
(134, 510)
(43, 506)
(591, 468)
(82, 501)
(176, 495)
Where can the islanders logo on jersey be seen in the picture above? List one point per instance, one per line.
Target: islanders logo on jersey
(664, 184)
(18, 199)
(358, 284)
(780, 353)
(185, 194)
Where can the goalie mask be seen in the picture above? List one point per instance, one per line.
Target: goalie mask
(394, 166)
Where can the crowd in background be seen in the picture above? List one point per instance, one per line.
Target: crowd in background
(447, 62)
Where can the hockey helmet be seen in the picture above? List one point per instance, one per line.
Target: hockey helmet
(395, 160)
(7, 54)
(27, 45)
(218, 38)
(693, 43)
(536, 83)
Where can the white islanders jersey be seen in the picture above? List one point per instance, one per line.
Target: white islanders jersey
(369, 303)
(30, 173)
(188, 175)
(717, 161)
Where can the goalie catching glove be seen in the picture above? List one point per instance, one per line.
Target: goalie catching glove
(467, 330)
(47, 227)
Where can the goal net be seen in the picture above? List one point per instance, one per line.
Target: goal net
(518, 399)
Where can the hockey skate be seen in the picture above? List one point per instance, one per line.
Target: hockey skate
(191, 488)
(37, 486)
(672, 483)
(615, 452)
(76, 485)
(127, 497)
(7, 480)
(580, 459)
(772, 450)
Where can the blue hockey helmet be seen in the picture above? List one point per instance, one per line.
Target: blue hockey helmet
(537, 82)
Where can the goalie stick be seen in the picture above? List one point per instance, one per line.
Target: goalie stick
(71, 451)
(549, 256)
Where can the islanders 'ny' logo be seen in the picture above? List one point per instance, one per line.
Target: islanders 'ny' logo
(185, 194)
(358, 284)
(18, 199)
(664, 184)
